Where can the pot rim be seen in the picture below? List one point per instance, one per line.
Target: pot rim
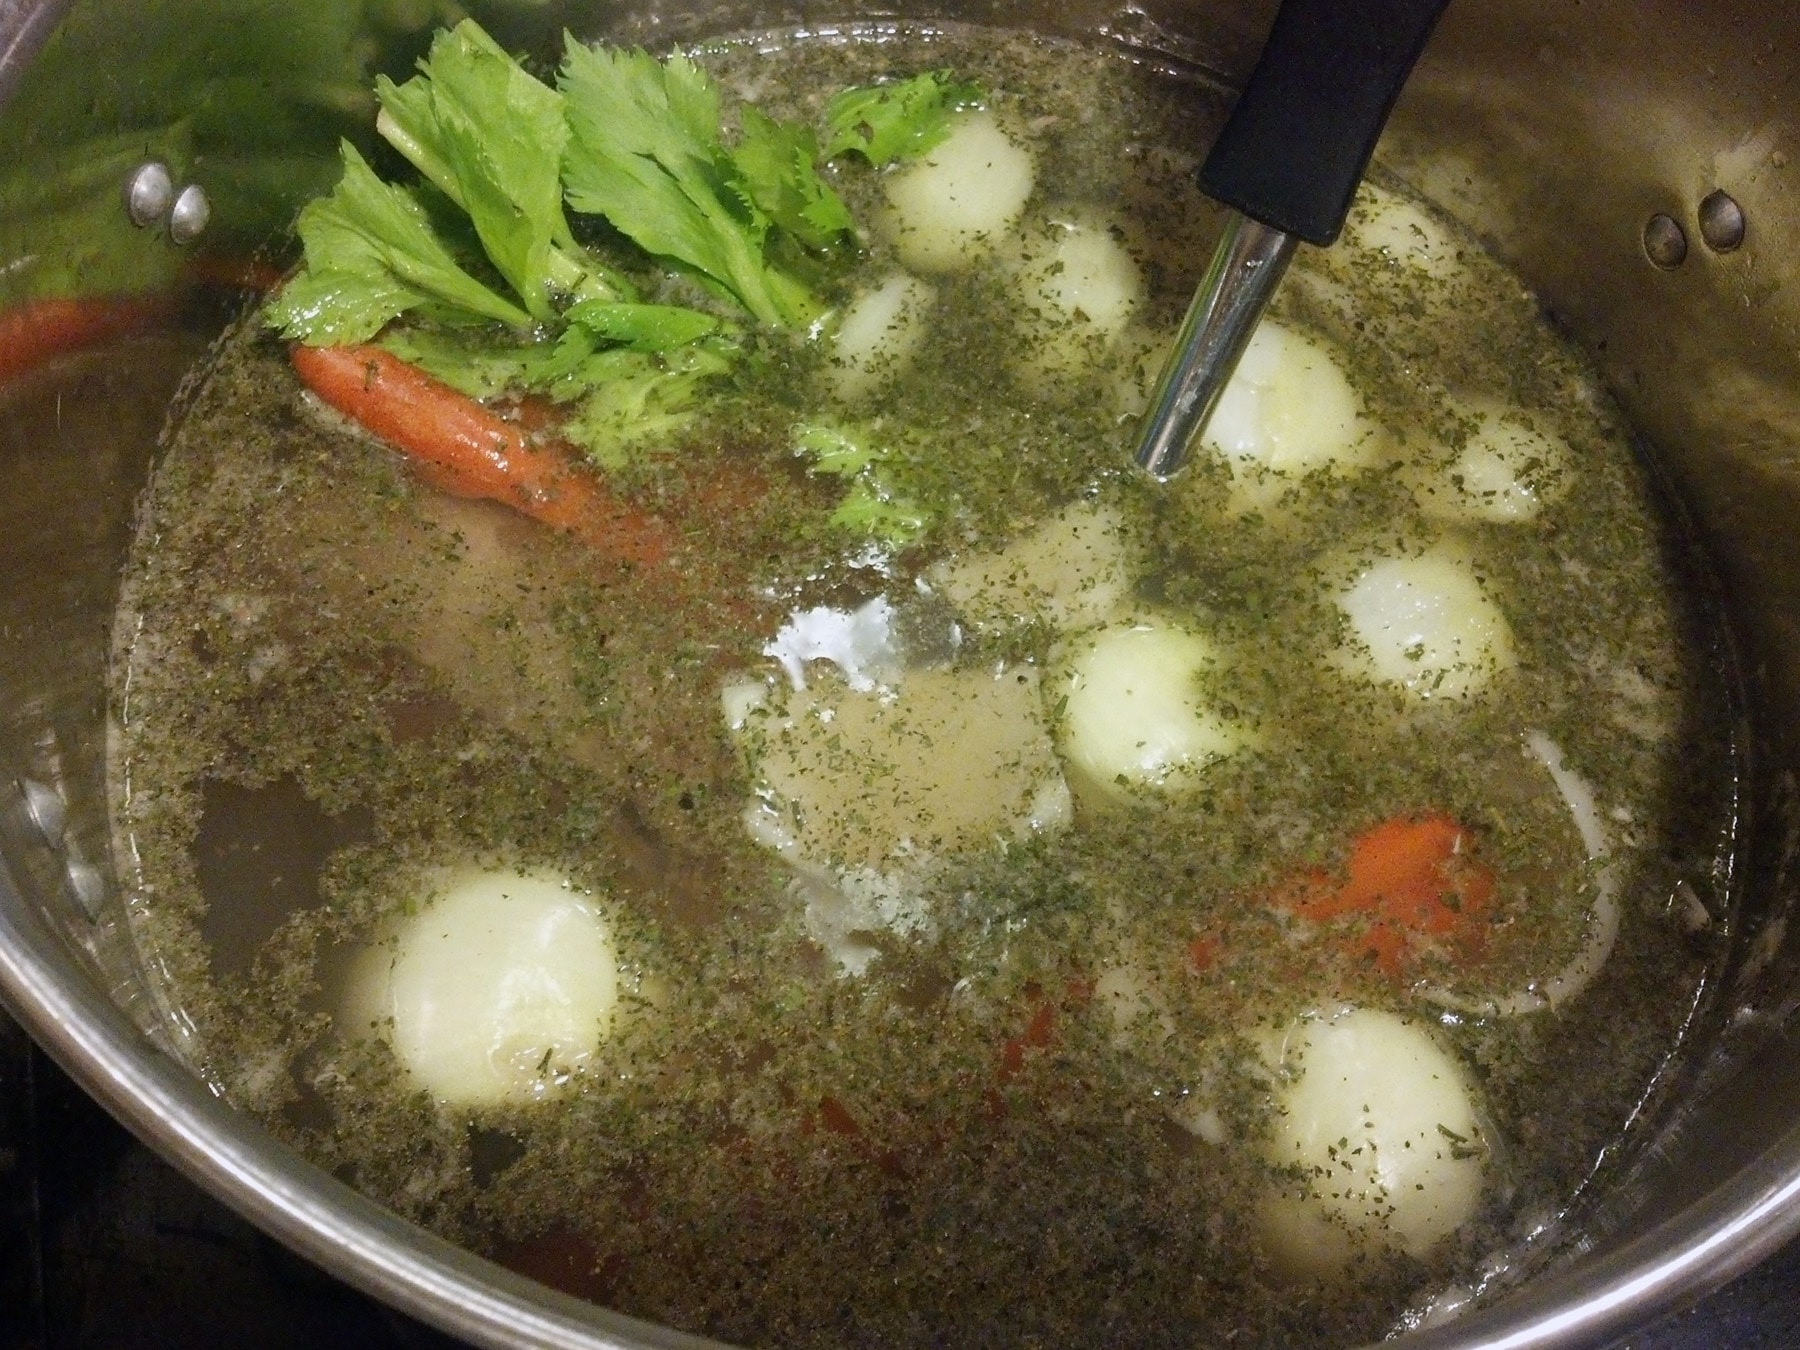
(1693, 1251)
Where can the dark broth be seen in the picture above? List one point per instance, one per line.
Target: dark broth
(332, 683)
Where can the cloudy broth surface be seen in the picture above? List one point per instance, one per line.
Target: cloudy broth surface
(968, 980)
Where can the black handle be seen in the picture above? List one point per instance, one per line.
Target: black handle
(1301, 135)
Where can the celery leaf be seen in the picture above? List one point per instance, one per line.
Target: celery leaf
(371, 256)
(646, 151)
(871, 507)
(491, 137)
(886, 122)
(778, 165)
(638, 398)
(871, 511)
(643, 328)
(620, 396)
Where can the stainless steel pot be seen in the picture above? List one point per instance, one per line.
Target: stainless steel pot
(1637, 161)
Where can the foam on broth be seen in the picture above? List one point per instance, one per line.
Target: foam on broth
(1005, 1083)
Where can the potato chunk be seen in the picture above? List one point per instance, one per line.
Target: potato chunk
(943, 760)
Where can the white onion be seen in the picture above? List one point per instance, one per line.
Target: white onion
(1133, 712)
(879, 334)
(501, 989)
(1506, 472)
(1083, 275)
(1078, 288)
(1425, 624)
(1385, 223)
(1288, 411)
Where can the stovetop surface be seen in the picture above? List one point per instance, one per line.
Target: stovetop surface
(104, 1246)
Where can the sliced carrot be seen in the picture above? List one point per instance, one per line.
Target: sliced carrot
(464, 448)
(1039, 1034)
(836, 1118)
(1040, 1031)
(1413, 884)
(1203, 952)
(40, 330)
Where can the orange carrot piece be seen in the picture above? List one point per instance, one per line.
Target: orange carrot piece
(836, 1118)
(567, 1260)
(1039, 1034)
(466, 449)
(1203, 952)
(1414, 882)
(40, 330)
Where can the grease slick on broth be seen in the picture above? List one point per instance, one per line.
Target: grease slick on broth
(658, 735)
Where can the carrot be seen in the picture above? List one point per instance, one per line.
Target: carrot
(1412, 883)
(836, 1117)
(40, 330)
(1204, 952)
(1039, 1034)
(463, 448)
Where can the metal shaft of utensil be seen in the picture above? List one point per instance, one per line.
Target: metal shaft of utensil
(1245, 269)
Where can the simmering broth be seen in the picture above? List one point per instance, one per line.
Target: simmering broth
(985, 896)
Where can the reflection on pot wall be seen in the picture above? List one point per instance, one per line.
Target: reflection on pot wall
(1557, 138)
(1551, 132)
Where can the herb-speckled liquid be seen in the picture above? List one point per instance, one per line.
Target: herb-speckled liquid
(332, 683)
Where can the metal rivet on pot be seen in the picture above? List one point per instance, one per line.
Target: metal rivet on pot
(1665, 242)
(88, 886)
(189, 215)
(1721, 222)
(44, 809)
(148, 193)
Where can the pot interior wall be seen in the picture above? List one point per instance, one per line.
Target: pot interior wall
(1555, 133)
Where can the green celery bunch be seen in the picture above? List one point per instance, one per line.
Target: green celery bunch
(872, 506)
(902, 120)
(647, 152)
(476, 275)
